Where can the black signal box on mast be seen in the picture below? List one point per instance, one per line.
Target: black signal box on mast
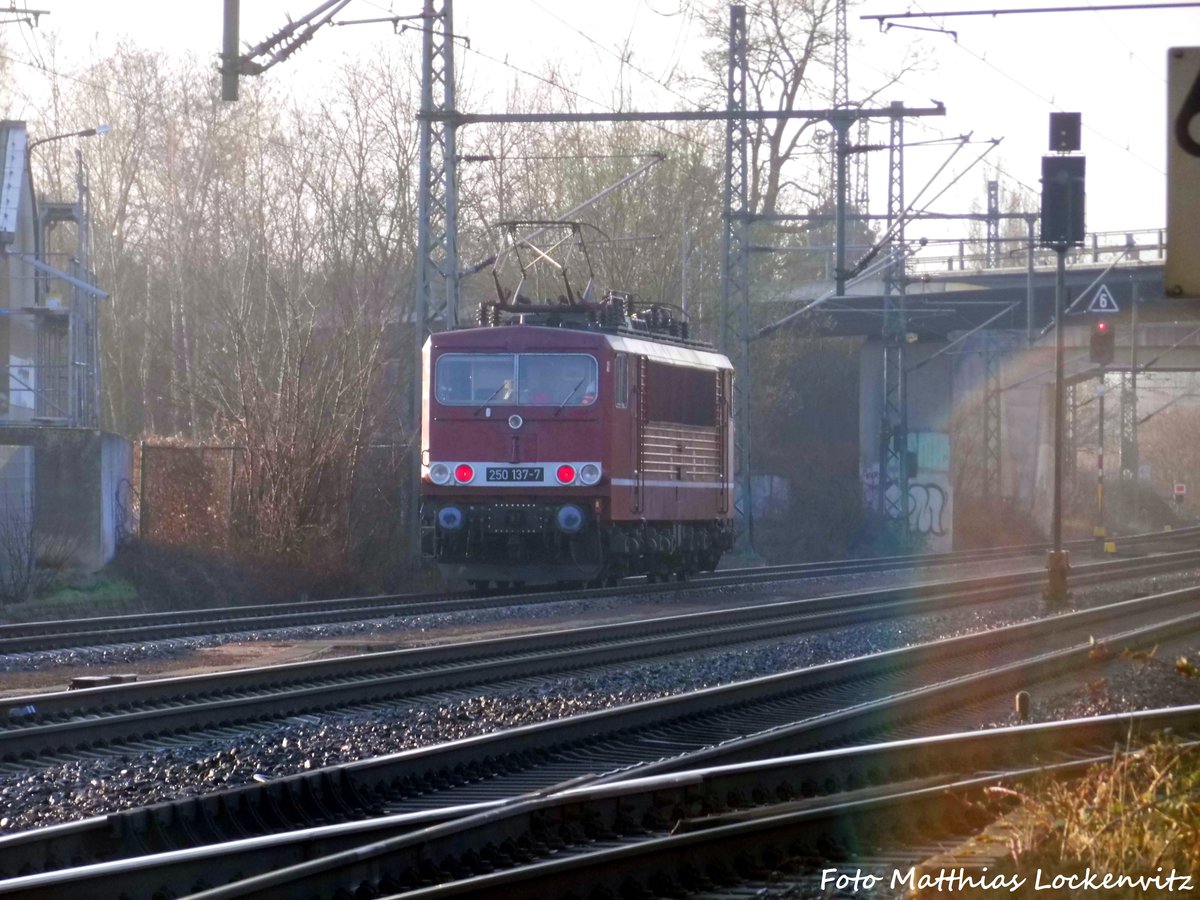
(1062, 184)
(1062, 200)
(1064, 131)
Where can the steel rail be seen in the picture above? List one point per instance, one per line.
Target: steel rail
(71, 633)
(67, 721)
(787, 713)
(67, 634)
(471, 848)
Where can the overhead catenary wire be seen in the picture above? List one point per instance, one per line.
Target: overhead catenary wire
(905, 216)
(621, 58)
(1050, 101)
(1012, 11)
(683, 136)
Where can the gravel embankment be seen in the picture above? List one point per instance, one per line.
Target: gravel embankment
(80, 789)
(413, 630)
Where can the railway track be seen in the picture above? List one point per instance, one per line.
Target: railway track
(773, 820)
(74, 633)
(944, 685)
(714, 828)
(60, 723)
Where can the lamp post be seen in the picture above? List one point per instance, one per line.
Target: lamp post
(83, 397)
(97, 130)
(100, 130)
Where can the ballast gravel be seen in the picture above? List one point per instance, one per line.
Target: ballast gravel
(81, 788)
(565, 611)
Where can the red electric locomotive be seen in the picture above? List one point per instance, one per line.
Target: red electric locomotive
(575, 442)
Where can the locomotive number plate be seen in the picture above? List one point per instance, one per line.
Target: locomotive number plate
(515, 473)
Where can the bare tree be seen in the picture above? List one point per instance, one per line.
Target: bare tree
(1167, 444)
(789, 58)
(258, 258)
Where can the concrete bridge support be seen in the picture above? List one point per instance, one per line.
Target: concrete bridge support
(949, 416)
(930, 501)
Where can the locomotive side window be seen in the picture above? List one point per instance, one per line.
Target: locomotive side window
(681, 395)
(506, 379)
(621, 381)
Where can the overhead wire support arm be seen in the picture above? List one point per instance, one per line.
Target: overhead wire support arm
(908, 214)
(708, 115)
(891, 25)
(398, 28)
(24, 16)
(885, 24)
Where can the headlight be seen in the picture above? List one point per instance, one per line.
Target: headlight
(451, 518)
(439, 473)
(589, 473)
(569, 518)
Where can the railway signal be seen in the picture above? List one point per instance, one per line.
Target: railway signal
(1062, 225)
(1102, 345)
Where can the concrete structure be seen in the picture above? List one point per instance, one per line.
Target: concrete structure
(80, 487)
(946, 376)
(932, 385)
(61, 479)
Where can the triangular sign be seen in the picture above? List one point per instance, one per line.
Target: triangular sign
(1103, 302)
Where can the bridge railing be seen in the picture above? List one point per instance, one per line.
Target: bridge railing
(1100, 247)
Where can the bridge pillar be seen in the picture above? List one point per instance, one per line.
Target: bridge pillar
(929, 500)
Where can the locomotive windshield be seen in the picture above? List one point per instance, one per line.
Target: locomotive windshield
(511, 379)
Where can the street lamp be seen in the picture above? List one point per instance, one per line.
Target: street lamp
(100, 130)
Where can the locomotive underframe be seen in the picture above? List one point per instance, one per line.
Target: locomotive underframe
(520, 542)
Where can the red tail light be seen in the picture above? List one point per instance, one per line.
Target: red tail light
(463, 473)
(566, 474)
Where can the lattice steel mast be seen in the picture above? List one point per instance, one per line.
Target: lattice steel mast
(893, 444)
(735, 272)
(437, 204)
(992, 434)
(436, 297)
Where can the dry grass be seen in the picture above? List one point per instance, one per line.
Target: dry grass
(1138, 815)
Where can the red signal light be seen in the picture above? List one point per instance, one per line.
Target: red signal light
(566, 474)
(1102, 342)
(463, 473)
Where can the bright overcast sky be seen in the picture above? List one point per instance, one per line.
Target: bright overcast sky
(999, 77)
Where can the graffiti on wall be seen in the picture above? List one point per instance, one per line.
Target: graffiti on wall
(927, 508)
(930, 505)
